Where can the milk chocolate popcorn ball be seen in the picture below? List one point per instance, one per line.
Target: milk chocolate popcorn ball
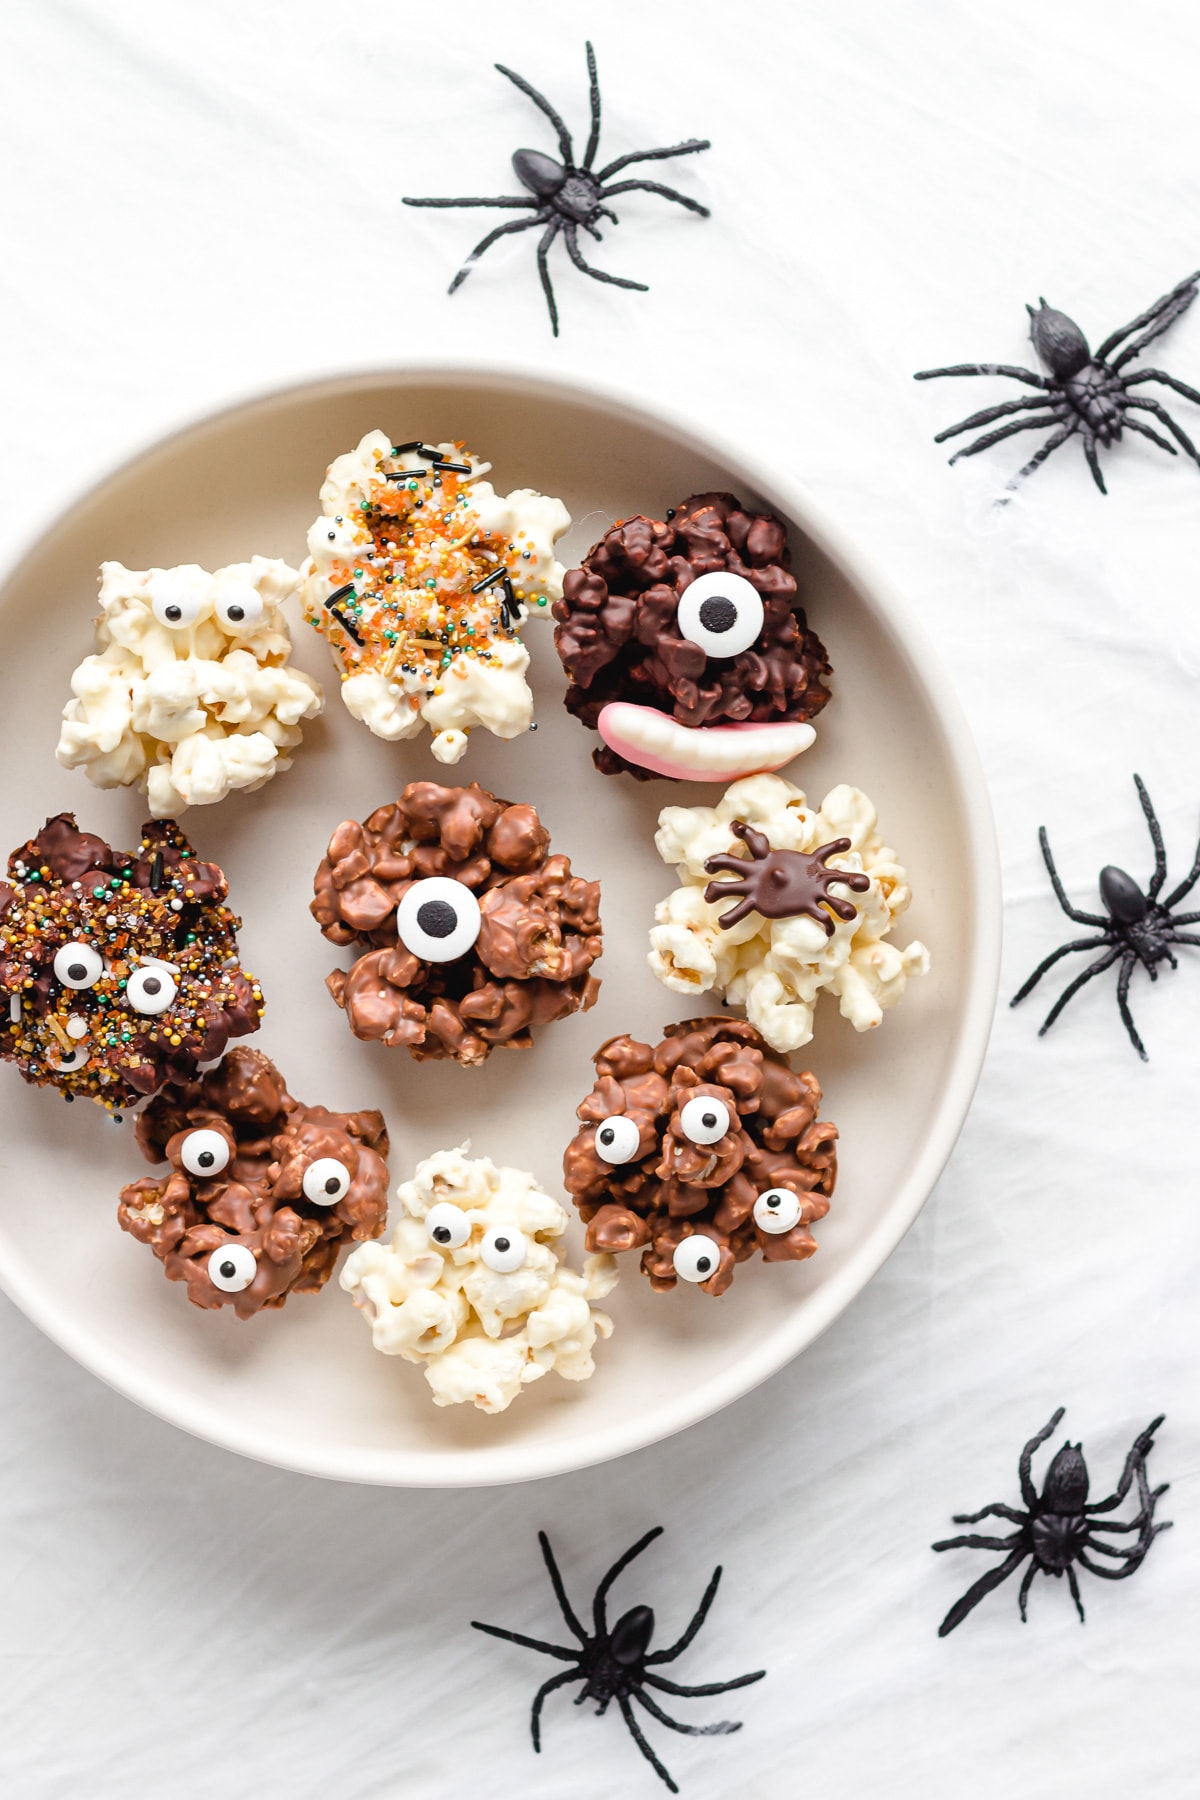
(472, 933)
(262, 1191)
(687, 647)
(119, 970)
(699, 1151)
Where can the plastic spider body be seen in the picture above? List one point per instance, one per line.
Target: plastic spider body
(1082, 394)
(616, 1663)
(1061, 1527)
(569, 197)
(1136, 928)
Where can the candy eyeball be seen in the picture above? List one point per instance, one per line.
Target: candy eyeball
(68, 1061)
(78, 965)
(696, 1257)
(720, 612)
(326, 1181)
(204, 1153)
(447, 1225)
(777, 1210)
(617, 1139)
(438, 919)
(504, 1249)
(232, 1268)
(151, 988)
(239, 606)
(175, 602)
(704, 1121)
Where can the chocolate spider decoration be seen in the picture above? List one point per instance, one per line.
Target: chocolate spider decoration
(616, 1663)
(1139, 927)
(568, 197)
(1082, 394)
(782, 884)
(1060, 1527)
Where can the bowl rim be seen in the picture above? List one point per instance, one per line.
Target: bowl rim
(494, 1466)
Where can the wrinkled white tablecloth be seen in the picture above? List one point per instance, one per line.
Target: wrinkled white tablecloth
(202, 199)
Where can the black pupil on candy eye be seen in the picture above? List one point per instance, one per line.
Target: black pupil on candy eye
(77, 972)
(704, 1264)
(206, 1159)
(607, 1135)
(174, 612)
(437, 918)
(441, 1234)
(332, 1185)
(502, 1245)
(236, 613)
(708, 1120)
(718, 613)
(152, 985)
(228, 1270)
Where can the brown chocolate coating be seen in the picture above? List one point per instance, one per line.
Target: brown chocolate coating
(539, 929)
(257, 1201)
(672, 1186)
(618, 636)
(782, 884)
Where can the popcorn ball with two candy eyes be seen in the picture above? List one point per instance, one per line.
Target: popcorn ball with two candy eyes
(473, 1285)
(262, 1191)
(699, 1151)
(190, 693)
(119, 970)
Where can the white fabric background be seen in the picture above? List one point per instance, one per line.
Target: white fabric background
(200, 199)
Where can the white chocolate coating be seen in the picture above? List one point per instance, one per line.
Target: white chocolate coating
(776, 968)
(193, 711)
(481, 1335)
(412, 598)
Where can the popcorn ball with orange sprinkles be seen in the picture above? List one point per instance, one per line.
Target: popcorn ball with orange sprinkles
(119, 970)
(420, 577)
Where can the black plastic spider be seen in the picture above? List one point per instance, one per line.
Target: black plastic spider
(614, 1664)
(1084, 393)
(1139, 927)
(569, 196)
(1060, 1526)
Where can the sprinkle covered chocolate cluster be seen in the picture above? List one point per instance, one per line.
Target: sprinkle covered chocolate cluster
(118, 972)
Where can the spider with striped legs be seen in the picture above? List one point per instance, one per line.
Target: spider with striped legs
(616, 1663)
(569, 197)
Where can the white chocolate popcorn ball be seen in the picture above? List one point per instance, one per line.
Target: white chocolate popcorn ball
(420, 576)
(473, 1285)
(190, 692)
(791, 926)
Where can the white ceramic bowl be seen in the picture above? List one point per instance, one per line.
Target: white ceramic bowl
(303, 1387)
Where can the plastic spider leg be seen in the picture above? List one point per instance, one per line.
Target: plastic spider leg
(981, 1589)
(1185, 937)
(539, 1700)
(516, 1637)
(1151, 313)
(1048, 962)
(544, 243)
(655, 187)
(565, 148)
(990, 414)
(1143, 1518)
(1074, 1585)
(996, 1510)
(560, 1592)
(1072, 912)
(722, 1727)
(576, 255)
(599, 1611)
(640, 1740)
(594, 100)
(622, 162)
(701, 1613)
(1093, 461)
(1146, 431)
(1128, 965)
(1171, 381)
(1026, 375)
(1135, 1469)
(1127, 1569)
(1172, 307)
(486, 244)
(707, 1688)
(1023, 1594)
(1038, 458)
(997, 437)
(509, 200)
(974, 1540)
(1181, 892)
(1025, 1460)
(1177, 432)
(1070, 991)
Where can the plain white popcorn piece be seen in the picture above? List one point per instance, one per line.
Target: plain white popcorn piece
(389, 583)
(474, 1287)
(190, 691)
(776, 968)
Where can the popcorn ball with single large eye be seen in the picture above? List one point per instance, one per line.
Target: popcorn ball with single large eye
(259, 1192)
(686, 645)
(473, 1286)
(119, 970)
(470, 934)
(722, 1154)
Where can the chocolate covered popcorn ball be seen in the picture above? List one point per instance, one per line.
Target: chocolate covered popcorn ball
(420, 577)
(473, 1285)
(190, 693)
(261, 1192)
(119, 970)
(779, 901)
(472, 933)
(699, 1151)
(687, 647)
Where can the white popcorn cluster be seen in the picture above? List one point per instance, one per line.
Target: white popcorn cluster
(396, 553)
(190, 691)
(473, 1284)
(776, 968)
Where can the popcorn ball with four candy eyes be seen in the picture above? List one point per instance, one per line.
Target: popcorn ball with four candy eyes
(699, 1151)
(262, 1191)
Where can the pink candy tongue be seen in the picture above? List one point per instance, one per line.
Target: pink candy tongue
(653, 740)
